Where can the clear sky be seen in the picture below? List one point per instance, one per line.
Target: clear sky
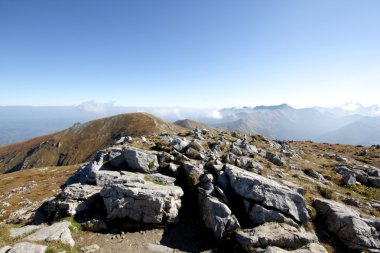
(190, 53)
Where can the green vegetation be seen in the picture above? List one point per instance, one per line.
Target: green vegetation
(149, 179)
(76, 227)
(326, 192)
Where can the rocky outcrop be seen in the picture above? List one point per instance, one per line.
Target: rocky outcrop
(269, 194)
(58, 232)
(274, 234)
(346, 224)
(368, 175)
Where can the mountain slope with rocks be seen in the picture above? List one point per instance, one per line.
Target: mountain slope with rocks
(202, 191)
(78, 143)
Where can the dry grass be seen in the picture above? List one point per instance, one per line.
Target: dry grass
(78, 143)
(44, 182)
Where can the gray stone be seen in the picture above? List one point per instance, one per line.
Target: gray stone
(260, 215)
(26, 247)
(216, 215)
(348, 226)
(267, 193)
(18, 232)
(90, 249)
(145, 202)
(348, 179)
(312, 173)
(77, 198)
(249, 164)
(140, 160)
(195, 145)
(236, 150)
(116, 158)
(310, 248)
(192, 172)
(372, 171)
(179, 144)
(59, 232)
(5, 249)
(274, 234)
(374, 182)
(360, 175)
(342, 159)
(275, 159)
(193, 154)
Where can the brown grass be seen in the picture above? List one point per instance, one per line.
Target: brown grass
(78, 143)
(47, 182)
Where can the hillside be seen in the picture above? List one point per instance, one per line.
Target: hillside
(192, 124)
(78, 143)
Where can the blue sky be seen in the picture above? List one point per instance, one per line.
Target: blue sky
(212, 53)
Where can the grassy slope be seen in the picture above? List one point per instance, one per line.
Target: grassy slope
(43, 183)
(78, 143)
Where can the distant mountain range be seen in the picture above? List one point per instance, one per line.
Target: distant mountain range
(350, 123)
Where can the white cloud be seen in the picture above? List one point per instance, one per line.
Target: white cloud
(96, 107)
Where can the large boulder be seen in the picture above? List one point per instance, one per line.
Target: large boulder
(267, 193)
(274, 234)
(346, 224)
(77, 198)
(58, 232)
(216, 215)
(140, 160)
(145, 202)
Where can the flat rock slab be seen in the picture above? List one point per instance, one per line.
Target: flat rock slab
(310, 248)
(27, 247)
(274, 234)
(18, 232)
(59, 232)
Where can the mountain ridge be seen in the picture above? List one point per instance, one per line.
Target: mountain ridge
(78, 143)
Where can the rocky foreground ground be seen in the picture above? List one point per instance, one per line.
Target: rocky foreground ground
(205, 191)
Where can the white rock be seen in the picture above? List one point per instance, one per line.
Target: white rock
(59, 232)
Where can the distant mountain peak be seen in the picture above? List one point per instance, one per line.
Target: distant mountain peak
(283, 106)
